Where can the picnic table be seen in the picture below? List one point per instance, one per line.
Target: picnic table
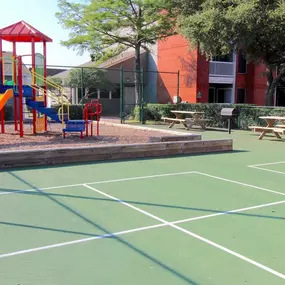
(275, 125)
(195, 118)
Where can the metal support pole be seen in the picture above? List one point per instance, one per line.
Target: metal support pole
(142, 98)
(178, 82)
(16, 108)
(33, 83)
(82, 95)
(121, 94)
(20, 86)
(2, 114)
(1, 68)
(229, 124)
(45, 80)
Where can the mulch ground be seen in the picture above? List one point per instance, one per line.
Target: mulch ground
(52, 139)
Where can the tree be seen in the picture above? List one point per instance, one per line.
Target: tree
(98, 25)
(256, 27)
(89, 78)
(54, 82)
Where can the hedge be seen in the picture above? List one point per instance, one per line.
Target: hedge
(75, 111)
(248, 114)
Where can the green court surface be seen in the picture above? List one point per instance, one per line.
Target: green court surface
(214, 219)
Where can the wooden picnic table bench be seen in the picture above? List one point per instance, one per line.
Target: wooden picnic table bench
(270, 127)
(195, 119)
(174, 121)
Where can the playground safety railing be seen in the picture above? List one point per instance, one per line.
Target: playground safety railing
(61, 113)
(60, 99)
(52, 84)
(57, 98)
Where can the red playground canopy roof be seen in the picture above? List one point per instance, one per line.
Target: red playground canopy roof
(22, 32)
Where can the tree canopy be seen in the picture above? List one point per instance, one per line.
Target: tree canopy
(257, 27)
(55, 80)
(98, 25)
(95, 25)
(89, 78)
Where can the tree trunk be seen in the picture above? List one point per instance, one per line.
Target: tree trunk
(272, 84)
(270, 87)
(137, 76)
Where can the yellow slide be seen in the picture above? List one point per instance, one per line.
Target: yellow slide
(4, 98)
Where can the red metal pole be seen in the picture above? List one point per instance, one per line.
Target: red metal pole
(34, 91)
(97, 118)
(45, 82)
(98, 113)
(20, 86)
(1, 66)
(91, 126)
(86, 119)
(16, 108)
(2, 113)
(2, 82)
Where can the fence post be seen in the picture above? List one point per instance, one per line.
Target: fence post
(122, 95)
(142, 98)
(82, 95)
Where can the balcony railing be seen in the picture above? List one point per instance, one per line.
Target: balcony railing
(218, 68)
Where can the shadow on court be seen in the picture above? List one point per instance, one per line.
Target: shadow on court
(106, 231)
(211, 211)
(46, 229)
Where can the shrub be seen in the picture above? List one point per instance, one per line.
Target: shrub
(247, 114)
(154, 112)
(75, 111)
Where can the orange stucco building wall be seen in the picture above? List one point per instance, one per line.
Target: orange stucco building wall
(173, 54)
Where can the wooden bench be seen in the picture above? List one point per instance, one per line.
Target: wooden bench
(261, 129)
(265, 130)
(174, 121)
(198, 122)
(280, 126)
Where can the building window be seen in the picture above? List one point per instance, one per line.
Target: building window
(104, 94)
(116, 93)
(241, 63)
(81, 93)
(93, 93)
(241, 96)
(221, 93)
(212, 95)
(224, 58)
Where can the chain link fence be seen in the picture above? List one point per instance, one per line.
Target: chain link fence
(122, 92)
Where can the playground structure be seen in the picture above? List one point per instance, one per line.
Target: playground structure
(36, 92)
(91, 111)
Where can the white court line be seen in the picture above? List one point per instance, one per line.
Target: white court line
(76, 241)
(240, 183)
(259, 265)
(230, 212)
(134, 230)
(99, 182)
(268, 170)
(257, 166)
(264, 164)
